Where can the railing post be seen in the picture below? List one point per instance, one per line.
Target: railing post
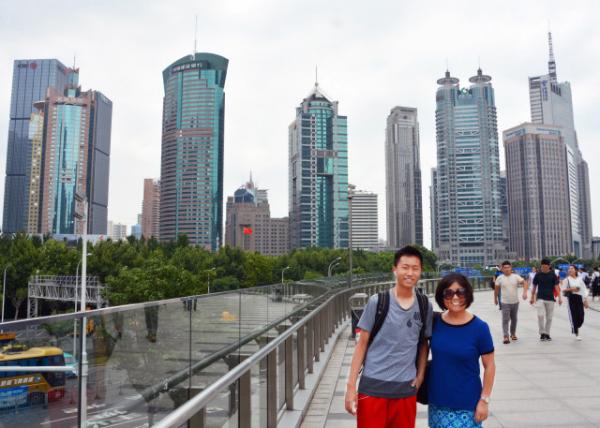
(322, 333)
(245, 401)
(317, 333)
(199, 419)
(272, 389)
(289, 377)
(301, 356)
(310, 344)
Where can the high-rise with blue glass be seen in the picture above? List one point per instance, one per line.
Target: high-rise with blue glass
(318, 174)
(468, 223)
(31, 79)
(69, 157)
(191, 198)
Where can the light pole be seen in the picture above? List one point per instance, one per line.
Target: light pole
(83, 217)
(4, 292)
(282, 271)
(332, 265)
(208, 279)
(351, 188)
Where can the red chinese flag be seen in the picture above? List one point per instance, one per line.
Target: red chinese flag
(247, 231)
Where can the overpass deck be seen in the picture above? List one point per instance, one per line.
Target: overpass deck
(538, 384)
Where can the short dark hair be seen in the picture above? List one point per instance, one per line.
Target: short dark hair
(545, 262)
(446, 282)
(408, 250)
(506, 263)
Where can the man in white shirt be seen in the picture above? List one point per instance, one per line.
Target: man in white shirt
(531, 276)
(507, 284)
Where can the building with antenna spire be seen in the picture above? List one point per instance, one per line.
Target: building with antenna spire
(318, 174)
(466, 182)
(551, 103)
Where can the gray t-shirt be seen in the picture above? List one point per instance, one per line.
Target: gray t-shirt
(389, 366)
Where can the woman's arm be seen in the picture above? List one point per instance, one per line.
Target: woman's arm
(489, 372)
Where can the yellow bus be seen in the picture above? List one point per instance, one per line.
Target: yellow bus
(23, 388)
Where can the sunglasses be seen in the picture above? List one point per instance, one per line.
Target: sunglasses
(449, 293)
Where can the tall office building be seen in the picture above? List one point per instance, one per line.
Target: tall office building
(538, 191)
(432, 207)
(70, 153)
(318, 174)
(365, 231)
(551, 104)
(117, 231)
(468, 219)
(249, 224)
(151, 209)
(403, 178)
(191, 197)
(31, 79)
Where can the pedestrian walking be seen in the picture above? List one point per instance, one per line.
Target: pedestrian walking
(531, 275)
(545, 286)
(507, 285)
(596, 283)
(392, 350)
(576, 292)
(457, 398)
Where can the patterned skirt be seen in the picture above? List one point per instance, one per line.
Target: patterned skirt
(443, 417)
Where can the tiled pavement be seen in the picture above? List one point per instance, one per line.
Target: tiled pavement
(553, 384)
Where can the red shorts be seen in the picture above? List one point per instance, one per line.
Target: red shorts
(375, 412)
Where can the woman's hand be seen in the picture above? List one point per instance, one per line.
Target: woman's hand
(481, 412)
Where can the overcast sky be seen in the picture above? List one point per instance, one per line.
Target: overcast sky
(371, 57)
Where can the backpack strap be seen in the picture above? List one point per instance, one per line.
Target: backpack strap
(423, 302)
(383, 306)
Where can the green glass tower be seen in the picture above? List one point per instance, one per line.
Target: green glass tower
(191, 200)
(318, 174)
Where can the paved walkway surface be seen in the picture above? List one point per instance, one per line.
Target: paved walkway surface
(538, 384)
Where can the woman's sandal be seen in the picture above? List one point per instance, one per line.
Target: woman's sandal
(506, 341)
(513, 337)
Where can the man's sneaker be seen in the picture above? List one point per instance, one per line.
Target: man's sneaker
(578, 337)
(543, 337)
(548, 338)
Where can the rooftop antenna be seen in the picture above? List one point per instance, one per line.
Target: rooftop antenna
(74, 60)
(195, 35)
(551, 62)
(316, 75)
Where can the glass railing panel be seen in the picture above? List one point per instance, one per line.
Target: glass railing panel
(39, 398)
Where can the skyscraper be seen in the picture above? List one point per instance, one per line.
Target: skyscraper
(191, 198)
(318, 174)
(538, 191)
(151, 209)
(365, 230)
(468, 221)
(70, 153)
(403, 178)
(31, 79)
(249, 224)
(551, 104)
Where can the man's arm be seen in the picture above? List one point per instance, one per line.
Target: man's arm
(358, 358)
(496, 290)
(421, 364)
(525, 287)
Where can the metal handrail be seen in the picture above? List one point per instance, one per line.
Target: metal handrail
(199, 401)
(183, 413)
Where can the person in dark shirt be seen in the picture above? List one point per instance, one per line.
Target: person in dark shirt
(545, 284)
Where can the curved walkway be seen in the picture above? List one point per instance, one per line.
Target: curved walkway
(538, 384)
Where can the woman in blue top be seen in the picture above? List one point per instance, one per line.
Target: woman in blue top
(459, 339)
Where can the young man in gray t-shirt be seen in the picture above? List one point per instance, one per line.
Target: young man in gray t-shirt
(394, 363)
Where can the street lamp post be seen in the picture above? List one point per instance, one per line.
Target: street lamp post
(83, 375)
(208, 279)
(4, 292)
(332, 265)
(351, 188)
(282, 271)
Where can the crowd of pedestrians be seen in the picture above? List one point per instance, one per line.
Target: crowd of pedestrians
(389, 372)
